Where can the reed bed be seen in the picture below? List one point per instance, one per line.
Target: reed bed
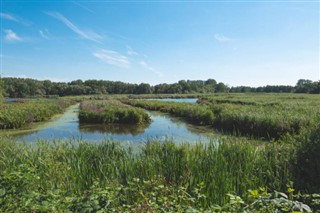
(19, 114)
(196, 114)
(110, 112)
(72, 168)
(265, 116)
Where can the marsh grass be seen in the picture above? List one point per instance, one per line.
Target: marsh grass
(222, 168)
(227, 175)
(19, 114)
(260, 116)
(193, 113)
(110, 112)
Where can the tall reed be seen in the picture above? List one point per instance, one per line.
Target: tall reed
(224, 167)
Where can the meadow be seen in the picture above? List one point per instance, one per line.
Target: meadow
(228, 175)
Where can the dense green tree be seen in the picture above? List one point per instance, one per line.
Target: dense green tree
(307, 86)
(210, 85)
(20, 87)
(144, 89)
(221, 87)
(184, 86)
(1, 89)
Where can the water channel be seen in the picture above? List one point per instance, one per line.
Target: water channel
(163, 126)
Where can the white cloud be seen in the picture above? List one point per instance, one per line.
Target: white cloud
(150, 68)
(222, 38)
(131, 52)
(14, 18)
(83, 7)
(11, 36)
(84, 34)
(112, 57)
(15, 76)
(9, 17)
(44, 34)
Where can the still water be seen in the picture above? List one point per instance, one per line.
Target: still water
(162, 127)
(185, 100)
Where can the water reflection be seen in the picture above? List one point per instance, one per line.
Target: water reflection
(180, 100)
(162, 127)
(120, 129)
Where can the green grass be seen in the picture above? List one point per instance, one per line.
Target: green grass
(77, 174)
(196, 114)
(222, 168)
(261, 116)
(110, 112)
(232, 175)
(19, 114)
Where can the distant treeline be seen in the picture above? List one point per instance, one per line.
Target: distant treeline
(21, 87)
(302, 86)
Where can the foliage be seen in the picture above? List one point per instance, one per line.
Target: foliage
(21, 88)
(1, 89)
(302, 86)
(111, 111)
(79, 176)
(227, 167)
(307, 168)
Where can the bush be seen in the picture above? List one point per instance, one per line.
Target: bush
(307, 169)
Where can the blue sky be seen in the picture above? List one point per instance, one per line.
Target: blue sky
(252, 43)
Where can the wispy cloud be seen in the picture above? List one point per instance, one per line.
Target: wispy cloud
(15, 76)
(131, 52)
(83, 33)
(150, 68)
(112, 57)
(11, 36)
(222, 38)
(83, 7)
(15, 18)
(44, 34)
(9, 17)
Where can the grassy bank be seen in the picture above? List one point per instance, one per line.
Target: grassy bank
(196, 114)
(19, 114)
(110, 112)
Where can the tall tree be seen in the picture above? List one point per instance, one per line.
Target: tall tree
(1, 89)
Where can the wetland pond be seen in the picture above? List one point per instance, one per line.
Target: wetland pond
(163, 126)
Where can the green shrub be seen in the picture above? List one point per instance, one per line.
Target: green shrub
(307, 168)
